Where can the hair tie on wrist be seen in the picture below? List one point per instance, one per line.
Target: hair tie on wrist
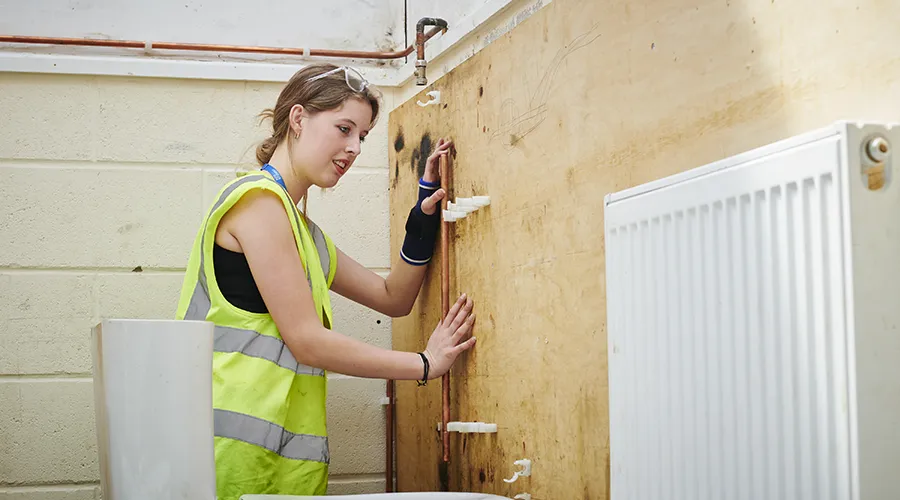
(424, 380)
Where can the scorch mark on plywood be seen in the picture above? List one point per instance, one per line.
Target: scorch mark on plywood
(419, 158)
(515, 126)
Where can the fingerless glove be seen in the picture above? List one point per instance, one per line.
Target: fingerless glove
(421, 229)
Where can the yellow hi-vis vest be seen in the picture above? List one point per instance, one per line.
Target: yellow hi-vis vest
(269, 411)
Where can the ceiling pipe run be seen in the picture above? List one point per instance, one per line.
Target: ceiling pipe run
(418, 46)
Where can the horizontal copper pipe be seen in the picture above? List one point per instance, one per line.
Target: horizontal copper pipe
(134, 44)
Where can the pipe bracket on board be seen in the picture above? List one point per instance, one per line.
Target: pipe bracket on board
(435, 98)
(525, 464)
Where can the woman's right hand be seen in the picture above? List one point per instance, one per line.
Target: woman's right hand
(444, 345)
(432, 164)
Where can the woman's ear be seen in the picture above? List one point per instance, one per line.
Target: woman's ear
(295, 119)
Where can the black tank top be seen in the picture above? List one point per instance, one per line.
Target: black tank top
(236, 281)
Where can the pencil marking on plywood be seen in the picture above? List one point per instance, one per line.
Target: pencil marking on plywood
(514, 126)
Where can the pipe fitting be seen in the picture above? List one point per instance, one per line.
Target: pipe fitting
(421, 65)
(420, 72)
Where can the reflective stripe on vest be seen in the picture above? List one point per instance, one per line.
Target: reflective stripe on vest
(321, 247)
(256, 345)
(229, 424)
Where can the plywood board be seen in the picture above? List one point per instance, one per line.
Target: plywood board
(586, 98)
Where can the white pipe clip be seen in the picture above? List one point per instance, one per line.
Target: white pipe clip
(435, 98)
(453, 215)
(481, 201)
(462, 205)
(525, 464)
(471, 427)
(467, 204)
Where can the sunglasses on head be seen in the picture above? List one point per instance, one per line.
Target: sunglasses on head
(361, 83)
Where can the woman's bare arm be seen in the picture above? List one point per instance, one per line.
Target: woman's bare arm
(261, 226)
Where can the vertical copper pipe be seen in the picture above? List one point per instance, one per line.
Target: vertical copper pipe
(420, 45)
(389, 431)
(445, 299)
(421, 64)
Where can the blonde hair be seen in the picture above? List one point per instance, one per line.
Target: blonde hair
(323, 94)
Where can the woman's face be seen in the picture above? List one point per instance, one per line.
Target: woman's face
(330, 142)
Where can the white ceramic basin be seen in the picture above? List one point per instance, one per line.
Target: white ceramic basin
(385, 496)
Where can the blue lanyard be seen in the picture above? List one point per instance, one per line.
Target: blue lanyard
(270, 169)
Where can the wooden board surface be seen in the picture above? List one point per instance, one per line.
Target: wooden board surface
(586, 98)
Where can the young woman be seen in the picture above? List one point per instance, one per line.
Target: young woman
(261, 271)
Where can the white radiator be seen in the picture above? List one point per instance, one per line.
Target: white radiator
(753, 312)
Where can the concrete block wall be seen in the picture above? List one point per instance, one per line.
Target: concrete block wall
(103, 182)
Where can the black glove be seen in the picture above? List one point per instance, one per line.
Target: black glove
(421, 229)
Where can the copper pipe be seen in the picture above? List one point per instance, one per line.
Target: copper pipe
(389, 431)
(421, 64)
(204, 47)
(421, 37)
(445, 301)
